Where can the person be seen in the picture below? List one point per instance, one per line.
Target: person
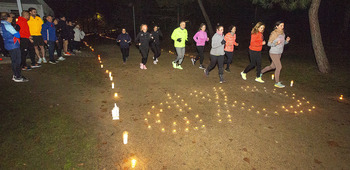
(26, 40)
(256, 43)
(200, 38)
(48, 32)
(11, 42)
(78, 36)
(277, 40)
(124, 41)
(62, 27)
(217, 53)
(35, 23)
(70, 36)
(230, 39)
(59, 44)
(142, 40)
(155, 45)
(180, 37)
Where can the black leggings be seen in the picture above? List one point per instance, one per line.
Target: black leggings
(219, 60)
(200, 56)
(255, 61)
(27, 48)
(125, 53)
(156, 50)
(229, 56)
(144, 53)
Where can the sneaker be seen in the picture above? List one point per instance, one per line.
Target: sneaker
(201, 67)
(258, 79)
(174, 64)
(61, 58)
(13, 77)
(40, 61)
(179, 67)
(55, 53)
(228, 70)
(279, 85)
(154, 62)
(206, 72)
(26, 68)
(244, 75)
(52, 62)
(193, 61)
(20, 80)
(157, 60)
(144, 67)
(67, 54)
(36, 65)
(44, 60)
(78, 51)
(141, 66)
(222, 79)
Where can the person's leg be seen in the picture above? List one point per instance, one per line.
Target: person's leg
(178, 52)
(201, 54)
(213, 61)
(258, 63)
(270, 67)
(229, 59)
(24, 52)
(42, 49)
(37, 52)
(65, 46)
(51, 45)
(220, 60)
(154, 50)
(31, 52)
(127, 52)
(252, 61)
(182, 56)
(276, 59)
(16, 62)
(123, 50)
(144, 52)
(159, 51)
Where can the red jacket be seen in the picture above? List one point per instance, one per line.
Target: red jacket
(24, 28)
(230, 42)
(256, 41)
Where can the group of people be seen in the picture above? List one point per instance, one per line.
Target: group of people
(30, 35)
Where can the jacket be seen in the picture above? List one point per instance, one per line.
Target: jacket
(200, 38)
(230, 42)
(179, 33)
(217, 48)
(144, 38)
(78, 34)
(122, 37)
(156, 35)
(23, 27)
(277, 49)
(256, 41)
(48, 31)
(70, 32)
(10, 35)
(35, 26)
(62, 30)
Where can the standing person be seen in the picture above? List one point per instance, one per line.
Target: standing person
(78, 36)
(180, 37)
(70, 33)
(155, 45)
(217, 53)
(35, 23)
(124, 41)
(200, 38)
(230, 39)
(256, 43)
(62, 26)
(276, 41)
(59, 44)
(11, 42)
(26, 44)
(143, 39)
(49, 35)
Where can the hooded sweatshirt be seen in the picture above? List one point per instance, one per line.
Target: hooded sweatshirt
(23, 27)
(217, 48)
(35, 26)
(10, 35)
(200, 38)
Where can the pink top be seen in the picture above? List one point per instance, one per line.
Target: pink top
(200, 38)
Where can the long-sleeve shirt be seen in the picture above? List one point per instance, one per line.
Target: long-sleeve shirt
(156, 35)
(277, 49)
(256, 41)
(230, 42)
(200, 38)
(10, 35)
(179, 33)
(78, 34)
(144, 38)
(48, 31)
(217, 48)
(35, 25)
(124, 39)
(23, 27)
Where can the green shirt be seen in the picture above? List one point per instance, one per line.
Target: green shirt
(179, 33)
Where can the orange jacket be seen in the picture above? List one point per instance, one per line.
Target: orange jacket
(230, 42)
(256, 41)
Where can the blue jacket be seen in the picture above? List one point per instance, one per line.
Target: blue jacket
(10, 35)
(48, 31)
(122, 37)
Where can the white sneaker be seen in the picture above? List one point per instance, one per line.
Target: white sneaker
(244, 75)
(141, 66)
(157, 60)
(40, 61)
(154, 62)
(44, 60)
(61, 58)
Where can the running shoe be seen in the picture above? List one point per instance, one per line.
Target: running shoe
(174, 64)
(52, 62)
(228, 70)
(258, 79)
(154, 62)
(206, 72)
(40, 61)
(36, 65)
(67, 54)
(201, 67)
(20, 80)
(144, 67)
(279, 85)
(26, 68)
(244, 75)
(141, 66)
(157, 60)
(61, 58)
(179, 67)
(222, 79)
(193, 61)
(44, 60)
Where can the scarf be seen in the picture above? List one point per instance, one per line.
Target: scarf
(274, 34)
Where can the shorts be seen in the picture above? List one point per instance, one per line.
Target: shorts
(38, 41)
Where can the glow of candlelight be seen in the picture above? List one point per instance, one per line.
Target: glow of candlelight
(112, 85)
(111, 78)
(272, 76)
(125, 137)
(133, 163)
(341, 97)
(101, 65)
(291, 83)
(115, 94)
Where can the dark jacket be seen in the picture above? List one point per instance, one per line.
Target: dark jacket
(62, 30)
(157, 35)
(70, 31)
(122, 38)
(144, 38)
(48, 31)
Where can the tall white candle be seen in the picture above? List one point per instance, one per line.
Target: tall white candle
(125, 137)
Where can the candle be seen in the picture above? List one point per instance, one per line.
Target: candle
(111, 78)
(186, 130)
(174, 124)
(203, 126)
(187, 122)
(163, 129)
(272, 76)
(101, 65)
(107, 71)
(341, 97)
(110, 74)
(125, 137)
(112, 85)
(174, 131)
(115, 94)
(133, 163)
(291, 83)
(149, 127)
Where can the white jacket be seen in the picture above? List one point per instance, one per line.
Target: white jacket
(78, 34)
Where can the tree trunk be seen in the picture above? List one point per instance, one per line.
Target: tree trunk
(320, 54)
(346, 20)
(206, 17)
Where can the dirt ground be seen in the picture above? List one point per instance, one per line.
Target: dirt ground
(176, 119)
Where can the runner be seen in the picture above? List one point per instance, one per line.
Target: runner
(200, 38)
(155, 45)
(142, 40)
(124, 41)
(180, 37)
(230, 39)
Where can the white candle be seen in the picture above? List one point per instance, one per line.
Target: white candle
(112, 85)
(125, 137)
(272, 76)
(110, 74)
(133, 163)
(291, 83)
(341, 97)
(111, 78)
(115, 94)
(101, 65)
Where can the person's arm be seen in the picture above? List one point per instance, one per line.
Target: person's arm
(12, 30)
(160, 33)
(174, 35)
(216, 42)
(138, 38)
(186, 38)
(128, 38)
(44, 30)
(195, 37)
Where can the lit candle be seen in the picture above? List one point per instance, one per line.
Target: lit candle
(149, 113)
(341, 97)
(161, 110)
(174, 131)
(187, 122)
(101, 65)
(163, 129)
(107, 71)
(115, 94)
(110, 74)
(203, 126)
(272, 76)
(149, 127)
(186, 130)
(291, 83)
(133, 163)
(146, 119)
(112, 85)
(174, 124)
(125, 137)
(111, 78)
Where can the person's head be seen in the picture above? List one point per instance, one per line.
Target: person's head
(155, 28)
(202, 27)
(32, 12)
(63, 18)
(144, 28)
(279, 25)
(6, 17)
(123, 30)
(232, 29)
(182, 24)
(70, 23)
(77, 26)
(219, 29)
(49, 18)
(55, 21)
(259, 27)
(25, 14)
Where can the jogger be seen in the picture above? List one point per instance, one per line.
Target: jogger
(143, 39)
(230, 39)
(124, 39)
(155, 45)
(180, 37)
(200, 38)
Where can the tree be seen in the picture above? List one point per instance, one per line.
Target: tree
(320, 54)
(206, 17)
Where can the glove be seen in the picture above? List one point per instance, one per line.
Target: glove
(179, 40)
(223, 42)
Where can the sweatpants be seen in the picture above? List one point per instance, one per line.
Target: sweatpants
(275, 64)
(255, 61)
(144, 53)
(200, 56)
(27, 48)
(125, 53)
(229, 56)
(216, 60)
(180, 55)
(16, 62)
(156, 50)
(51, 46)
